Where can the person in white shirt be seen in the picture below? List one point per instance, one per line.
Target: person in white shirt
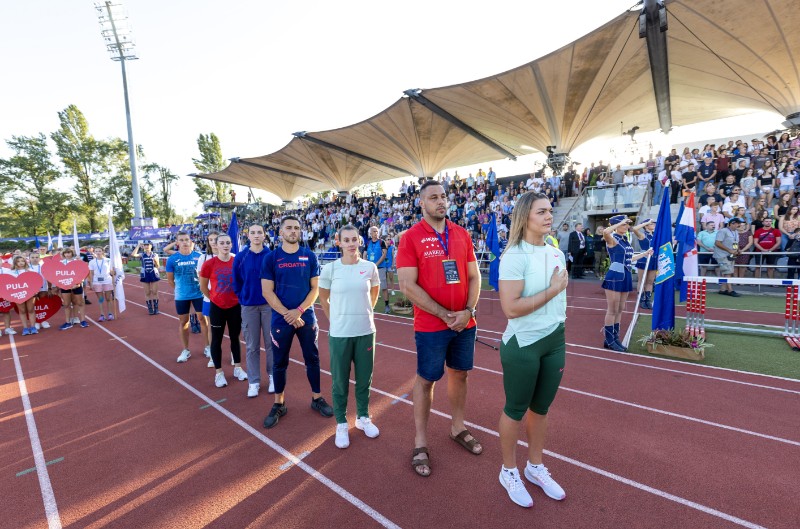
(348, 290)
(533, 279)
(101, 281)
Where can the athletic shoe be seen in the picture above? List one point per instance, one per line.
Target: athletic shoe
(510, 481)
(734, 294)
(84, 324)
(65, 326)
(365, 424)
(342, 435)
(614, 346)
(184, 356)
(45, 325)
(33, 330)
(387, 309)
(110, 317)
(277, 411)
(37, 326)
(322, 407)
(207, 351)
(219, 380)
(86, 301)
(25, 331)
(239, 374)
(540, 476)
(252, 391)
(9, 330)
(271, 388)
(101, 318)
(210, 363)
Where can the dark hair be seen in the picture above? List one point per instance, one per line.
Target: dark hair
(347, 227)
(428, 184)
(181, 232)
(287, 218)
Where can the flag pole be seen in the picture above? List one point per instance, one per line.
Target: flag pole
(627, 339)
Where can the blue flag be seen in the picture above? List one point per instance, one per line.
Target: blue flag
(664, 292)
(493, 244)
(36, 238)
(233, 231)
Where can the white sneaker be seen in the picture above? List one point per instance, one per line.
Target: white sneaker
(207, 351)
(541, 476)
(271, 385)
(252, 391)
(369, 429)
(45, 325)
(210, 363)
(219, 380)
(184, 356)
(37, 326)
(342, 435)
(239, 374)
(9, 330)
(510, 481)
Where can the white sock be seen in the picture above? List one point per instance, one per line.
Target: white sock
(510, 470)
(535, 467)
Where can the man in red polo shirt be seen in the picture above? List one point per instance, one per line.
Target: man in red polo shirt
(438, 272)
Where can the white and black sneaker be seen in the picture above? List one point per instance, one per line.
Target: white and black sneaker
(509, 479)
(540, 476)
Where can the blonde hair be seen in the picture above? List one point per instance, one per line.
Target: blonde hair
(519, 217)
(17, 258)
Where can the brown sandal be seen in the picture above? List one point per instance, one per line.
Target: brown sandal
(417, 463)
(468, 445)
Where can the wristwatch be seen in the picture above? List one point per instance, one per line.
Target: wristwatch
(471, 311)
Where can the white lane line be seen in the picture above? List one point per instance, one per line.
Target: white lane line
(291, 458)
(646, 366)
(288, 464)
(638, 406)
(48, 497)
(610, 475)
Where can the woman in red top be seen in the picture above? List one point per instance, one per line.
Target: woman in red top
(216, 283)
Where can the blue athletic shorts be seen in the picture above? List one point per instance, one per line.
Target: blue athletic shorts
(182, 305)
(206, 308)
(440, 348)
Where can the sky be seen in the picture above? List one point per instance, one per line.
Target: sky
(254, 72)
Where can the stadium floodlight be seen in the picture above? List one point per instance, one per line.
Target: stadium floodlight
(116, 31)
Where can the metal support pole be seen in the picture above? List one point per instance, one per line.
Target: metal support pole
(137, 197)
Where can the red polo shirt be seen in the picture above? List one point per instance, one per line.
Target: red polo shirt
(420, 248)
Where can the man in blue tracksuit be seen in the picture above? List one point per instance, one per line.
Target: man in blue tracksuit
(256, 313)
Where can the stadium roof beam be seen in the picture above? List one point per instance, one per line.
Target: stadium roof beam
(270, 168)
(415, 94)
(653, 27)
(303, 135)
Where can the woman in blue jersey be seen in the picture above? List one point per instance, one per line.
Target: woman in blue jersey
(644, 232)
(618, 282)
(150, 275)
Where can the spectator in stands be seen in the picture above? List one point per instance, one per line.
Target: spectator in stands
(788, 224)
(735, 200)
(745, 245)
(726, 249)
(577, 251)
(793, 249)
(706, 173)
(787, 180)
(749, 185)
(705, 243)
(767, 240)
(739, 170)
(376, 252)
(710, 192)
(689, 178)
(617, 176)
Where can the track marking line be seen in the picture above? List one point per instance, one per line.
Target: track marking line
(29, 470)
(288, 464)
(12, 358)
(333, 486)
(637, 406)
(404, 395)
(647, 366)
(48, 497)
(610, 475)
(220, 401)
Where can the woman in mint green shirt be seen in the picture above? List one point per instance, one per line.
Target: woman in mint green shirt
(533, 279)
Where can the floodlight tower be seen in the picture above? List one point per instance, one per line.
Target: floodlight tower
(116, 31)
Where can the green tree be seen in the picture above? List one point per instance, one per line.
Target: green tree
(84, 158)
(210, 161)
(160, 179)
(32, 206)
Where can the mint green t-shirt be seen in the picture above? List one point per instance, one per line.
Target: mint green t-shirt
(534, 265)
(350, 285)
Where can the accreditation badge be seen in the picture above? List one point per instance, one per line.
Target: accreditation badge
(450, 272)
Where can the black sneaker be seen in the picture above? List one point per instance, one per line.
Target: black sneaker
(277, 411)
(724, 293)
(734, 294)
(322, 407)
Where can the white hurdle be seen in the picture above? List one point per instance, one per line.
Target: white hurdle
(696, 305)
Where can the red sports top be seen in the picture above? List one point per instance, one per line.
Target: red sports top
(220, 276)
(420, 248)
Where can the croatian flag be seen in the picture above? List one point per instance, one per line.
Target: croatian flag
(685, 235)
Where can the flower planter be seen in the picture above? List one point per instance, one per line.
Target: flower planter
(674, 351)
(402, 309)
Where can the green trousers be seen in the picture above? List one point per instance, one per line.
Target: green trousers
(360, 352)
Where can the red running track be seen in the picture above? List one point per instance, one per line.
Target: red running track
(636, 442)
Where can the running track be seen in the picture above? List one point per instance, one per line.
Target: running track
(120, 435)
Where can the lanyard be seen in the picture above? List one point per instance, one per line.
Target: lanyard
(101, 265)
(446, 241)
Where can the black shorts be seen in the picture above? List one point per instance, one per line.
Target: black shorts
(77, 291)
(183, 306)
